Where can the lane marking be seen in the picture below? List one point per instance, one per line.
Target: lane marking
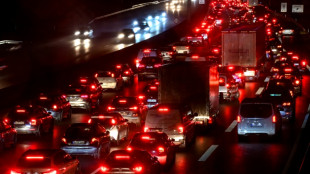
(95, 171)
(259, 91)
(207, 154)
(267, 79)
(231, 126)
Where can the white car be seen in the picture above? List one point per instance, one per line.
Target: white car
(110, 80)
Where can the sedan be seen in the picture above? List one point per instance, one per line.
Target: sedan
(135, 161)
(114, 123)
(46, 161)
(86, 139)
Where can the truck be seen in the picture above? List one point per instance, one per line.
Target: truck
(191, 83)
(244, 46)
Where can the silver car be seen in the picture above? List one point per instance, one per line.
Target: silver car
(258, 116)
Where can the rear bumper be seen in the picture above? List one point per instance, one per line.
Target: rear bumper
(267, 131)
(80, 150)
(26, 129)
(80, 105)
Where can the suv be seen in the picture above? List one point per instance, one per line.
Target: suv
(149, 67)
(174, 120)
(258, 116)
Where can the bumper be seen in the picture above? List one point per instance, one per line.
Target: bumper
(202, 120)
(268, 131)
(131, 119)
(178, 139)
(80, 105)
(108, 85)
(26, 129)
(80, 150)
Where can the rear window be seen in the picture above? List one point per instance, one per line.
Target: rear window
(151, 60)
(157, 118)
(256, 110)
(146, 140)
(34, 163)
(124, 102)
(80, 131)
(76, 90)
(104, 74)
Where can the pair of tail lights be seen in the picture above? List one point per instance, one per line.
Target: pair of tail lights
(274, 119)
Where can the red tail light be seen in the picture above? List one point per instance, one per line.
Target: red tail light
(275, 69)
(51, 172)
(153, 87)
(64, 96)
(14, 172)
(64, 140)
(157, 65)
(141, 66)
(122, 157)
(33, 122)
(134, 108)
(161, 149)
(126, 73)
(137, 61)
(96, 75)
(231, 68)
(118, 66)
(303, 63)
(145, 129)
(92, 87)
(189, 37)
(84, 96)
(146, 51)
(239, 74)
(174, 47)
(215, 50)
(297, 82)
(83, 80)
(187, 47)
(34, 157)
(122, 101)
(43, 98)
(195, 57)
(110, 108)
(295, 57)
(20, 110)
(197, 30)
(221, 81)
(104, 169)
(113, 121)
(228, 85)
(238, 119)
(55, 107)
(145, 137)
(288, 70)
(94, 140)
(6, 120)
(138, 169)
(274, 119)
(141, 97)
(290, 53)
(203, 23)
(163, 109)
(181, 129)
(129, 148)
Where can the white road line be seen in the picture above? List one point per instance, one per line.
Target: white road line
(231, 126)
(259, 91)
(209, 151)
(94, 172)
(267, 79)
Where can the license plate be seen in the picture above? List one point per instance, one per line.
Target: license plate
(78, 142)
(149, 66)
(256, 125)
(124, 113)
(151, 100)
(19, 122)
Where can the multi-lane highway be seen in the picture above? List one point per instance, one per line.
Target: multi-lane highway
(215, 150)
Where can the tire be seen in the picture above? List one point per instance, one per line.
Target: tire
(117, 142)
(39, 133)
(241, 138)
(98, 154)
(14, 141)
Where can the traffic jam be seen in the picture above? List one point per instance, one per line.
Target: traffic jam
(179, 89)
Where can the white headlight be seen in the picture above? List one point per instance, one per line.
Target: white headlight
(121, 36)
(77, 33)
(135, 23)
(86, 33)
(147, 29)
(131, 36)
(77, 42)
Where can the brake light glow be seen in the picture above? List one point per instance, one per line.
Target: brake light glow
(64, 140)
(163, 109)
(288, 70)
(94, 140)
(122, 157)
(141, 97)
(96, 75)
(113, 121)
(161, 149)
(55, 107)
(215, 50)
(286, 104)
(118, 66)
(290, 53)
(129, 148)
(295, 57)
(275, 69)
(126, 72)
(83, 80)
(134, 108)
(157, 65)
(6, 120)
(145, 129)
(141, 66)
(174, 47)
(189, 37)
(93, 87)
(187, 47)
(181, 129)
(195, 57)
(274, 119)
(110, 108)
(43, 98)
(122, 101)
(231, 68)
(138, 169)
(20, 110)
(239, 74)
(14, 172)
(297, 82)
(221, 80)
(84, 96)
(51, 172)
(89, 121)
(304, 63)
(238, 119)
(197, 30)
(145, 137)
(33, 122)
(104, 168)
(146, 51)
(227, 85)
(34, 157)
(153, 87)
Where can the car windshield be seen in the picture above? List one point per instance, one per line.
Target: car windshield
(147, 140)
(80, 131)
(156, 118)
(151, 60)
(255, 110)
(124, 102)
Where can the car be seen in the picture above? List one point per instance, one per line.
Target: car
(55, 104)
(195, 40)
(236, 72)
(286, 83)
(146, 52)
(86, 139)
(8, 135)
(114, 123)
(148, 67)
(167, 53)
(46, 161)
(83, 32)
(157, 144)
(228, 89)
(129, 107)
(110, 80)
(31, 119)
(142, 26)
(126, 35)
(258, 116)
(135, 161)
(82, 97)
(283, 98)
(181, 48)
(150, 92)
(126, 72)
(175, 120)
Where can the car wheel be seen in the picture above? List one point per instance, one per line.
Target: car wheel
(117, 141)
(98, 154)
(14, 141)
(60, 116)
(39, 132)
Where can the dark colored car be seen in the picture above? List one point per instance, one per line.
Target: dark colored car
(135, 161)
(31, 119)
(8, 135)
(86, 139)
(157, 144)
(114, 123)
(149, 67)
(57, 105)
(46, 161)
(129, 107)
(283, 98)
(126, 36)
(151, 95)
(83, 32)
(126, 72)
(236, 72)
